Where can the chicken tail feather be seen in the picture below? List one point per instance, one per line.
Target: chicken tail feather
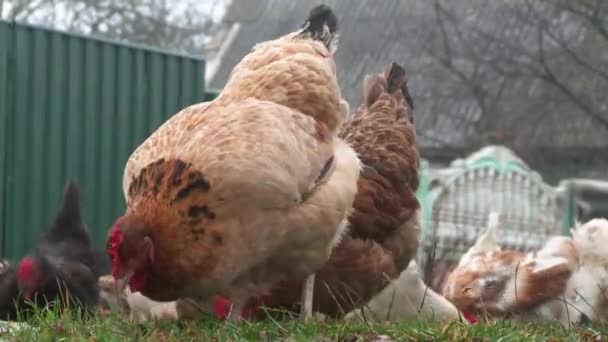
(322, 25)
(69, 216)
(397, 80)
(393, 82)
(395, 77)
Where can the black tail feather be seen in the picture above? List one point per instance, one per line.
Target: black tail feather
(396, 79)
(69, 215)
(68, 223)
(322, 25)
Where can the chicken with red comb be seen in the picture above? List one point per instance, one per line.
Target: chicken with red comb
(63, 266)
(231, 196)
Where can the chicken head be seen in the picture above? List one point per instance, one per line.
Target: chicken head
(131, 252)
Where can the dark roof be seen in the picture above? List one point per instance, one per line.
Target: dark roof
(374, 33)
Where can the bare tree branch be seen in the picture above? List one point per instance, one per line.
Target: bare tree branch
(150, 22)
(548, 48)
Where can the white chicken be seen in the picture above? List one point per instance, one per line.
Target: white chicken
(407, 297)
(587, 294)
(565, 280)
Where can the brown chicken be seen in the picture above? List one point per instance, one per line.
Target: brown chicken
(230, 196)
(384, 229)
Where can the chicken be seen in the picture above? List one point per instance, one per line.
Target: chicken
(229, 197)
(406, 298)
(586, 297)
(505, 283)
(385, 227)
(62, 267)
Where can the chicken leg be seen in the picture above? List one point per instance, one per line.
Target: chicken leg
(307, 296)
(234, 315)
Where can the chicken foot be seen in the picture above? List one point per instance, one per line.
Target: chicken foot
(307, 296)
(235, 312)
(238, 301)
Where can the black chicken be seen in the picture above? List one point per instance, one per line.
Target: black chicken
(63, 266)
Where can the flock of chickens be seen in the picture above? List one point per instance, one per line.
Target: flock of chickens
(274, 197)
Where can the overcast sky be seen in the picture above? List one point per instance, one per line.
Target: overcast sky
(62, 12)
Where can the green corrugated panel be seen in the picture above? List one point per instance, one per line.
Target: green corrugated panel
(5, 106)
(72, 106)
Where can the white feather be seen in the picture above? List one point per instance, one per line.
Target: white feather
(487, 242)
(407, 297)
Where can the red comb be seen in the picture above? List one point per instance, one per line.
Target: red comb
(25, 269)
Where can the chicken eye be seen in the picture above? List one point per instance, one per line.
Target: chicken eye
(488, 283)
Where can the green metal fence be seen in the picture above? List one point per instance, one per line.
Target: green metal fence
(72, 106)
(457, 200)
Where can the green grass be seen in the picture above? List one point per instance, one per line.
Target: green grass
(50, 326)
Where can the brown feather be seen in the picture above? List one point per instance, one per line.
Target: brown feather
(167, 193)
(384, 227)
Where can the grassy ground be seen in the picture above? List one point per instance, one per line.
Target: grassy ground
(51, 327)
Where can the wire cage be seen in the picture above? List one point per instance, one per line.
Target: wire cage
(457, 201)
